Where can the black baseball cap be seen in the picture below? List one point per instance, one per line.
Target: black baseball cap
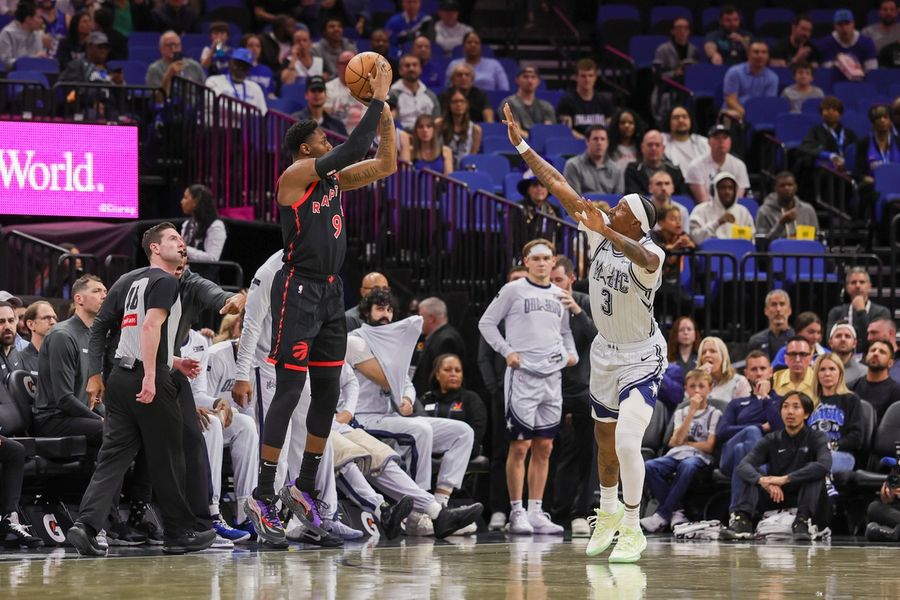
(717, 129)
(316, 82)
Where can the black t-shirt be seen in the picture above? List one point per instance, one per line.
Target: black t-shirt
(784, 50)
(880, 395)
(889, 57)
(585, 113)
(312, 229)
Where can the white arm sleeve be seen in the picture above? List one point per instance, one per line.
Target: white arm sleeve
(566, 330)
(255, 310)
(349, 390)
(200, 385)
(409, 390)
(491, 318)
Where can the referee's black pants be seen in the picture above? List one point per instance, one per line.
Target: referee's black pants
(129, 425)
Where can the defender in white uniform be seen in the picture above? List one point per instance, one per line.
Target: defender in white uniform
(537, 347)
(628, 355)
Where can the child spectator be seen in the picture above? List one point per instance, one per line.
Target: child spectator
(214, 58)
(802, 88)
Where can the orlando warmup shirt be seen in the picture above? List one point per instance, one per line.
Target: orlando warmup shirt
(216, 378)
(254, 347)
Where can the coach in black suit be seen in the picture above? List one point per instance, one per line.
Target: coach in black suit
(440, 338)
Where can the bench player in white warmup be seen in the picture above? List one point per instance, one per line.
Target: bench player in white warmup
(628, 357)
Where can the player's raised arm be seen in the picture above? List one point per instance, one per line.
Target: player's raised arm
(384, 163)
(552, 179)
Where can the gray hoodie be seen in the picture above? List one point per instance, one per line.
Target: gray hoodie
(770, 212)
(16, 42)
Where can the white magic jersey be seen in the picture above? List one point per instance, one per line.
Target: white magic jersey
(622, 293)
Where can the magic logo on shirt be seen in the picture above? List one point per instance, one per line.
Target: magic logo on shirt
(616, 279)
(828, 419)
(543, 304)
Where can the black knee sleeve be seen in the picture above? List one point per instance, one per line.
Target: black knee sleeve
(325, 389)
(288, 387)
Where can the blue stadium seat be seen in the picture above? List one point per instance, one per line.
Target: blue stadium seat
(285, 105)
(540, 133)
(884, 80)
(791, 128)
(704, 80)
(751, 205)
(144, 38)
(476, 180)
(785, 77)
(810, 107)
(496, 128)
(761, 112)
(887, 184)
(565, 146)
(32, 76)
(894, 90)
(41, 65)
(616, 23)
(558, 162)
(642, 48)
(494, 165)
(724, 269)
(510, 186)
(773, 21)
(799, 269)
(551, 96)
(857, 121)
(495, 98)
(294, 90)
(511, 66)
(618, 12)
(496, 144)
(211, 5)
(852, 92)
(135, 73)
(144, 54)
(685, 201)
(661, 17)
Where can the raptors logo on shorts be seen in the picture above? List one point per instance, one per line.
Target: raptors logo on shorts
(300, 351)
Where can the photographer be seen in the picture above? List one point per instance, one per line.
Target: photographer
(884, 514)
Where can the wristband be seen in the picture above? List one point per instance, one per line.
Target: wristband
(523, 147)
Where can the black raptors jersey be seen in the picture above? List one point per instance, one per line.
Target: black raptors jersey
(312, 229)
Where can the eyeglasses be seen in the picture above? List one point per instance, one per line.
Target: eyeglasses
(47, 318)
(796, 354)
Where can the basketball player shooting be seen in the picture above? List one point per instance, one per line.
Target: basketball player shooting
(309, 334)
(628, 356)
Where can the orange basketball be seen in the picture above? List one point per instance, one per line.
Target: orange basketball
(359, 67)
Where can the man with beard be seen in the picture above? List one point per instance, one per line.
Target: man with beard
(796, 48)
(842, 342)
(10, 360)
(782, 211)
(40, 317)
(877, 387)
(714, 219)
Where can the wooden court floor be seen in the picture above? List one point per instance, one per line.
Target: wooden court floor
(491, 566)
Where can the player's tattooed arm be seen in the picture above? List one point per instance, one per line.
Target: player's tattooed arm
(633, 251)
(384, 163)
(546, 173)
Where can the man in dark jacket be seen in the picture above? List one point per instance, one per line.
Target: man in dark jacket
(653, 160)
(860, 310)
(798, 461)
(827, 142)
(440, 338)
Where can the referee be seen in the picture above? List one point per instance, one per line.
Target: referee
(142, 409)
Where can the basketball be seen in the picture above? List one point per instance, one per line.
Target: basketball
(359, 67)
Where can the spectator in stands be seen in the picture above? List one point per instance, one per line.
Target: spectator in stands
(715, 360)
(884, 328)
(671, 237)
(203, 232)
(457, 128)
(409, 97)
(236, 84)
(426, 149)
(887, 30)
(161, 72)
(782, 211)
(684, 342)
(747, 420)
(74, 45)
(625, 128)
(889, 57)
(214, 58)
(369, 282)
(846, 49)
(728, 44)
(594, 171)
(876, 386)
(62, 406)
(584, 106)
(704, 169)
(10, 359)
(268, 11)
(302, 62)
(316, 98)
(339, 103)
(878, 148)
(54, 20)
(332, 45)
(842, 342)
(661, 190)
(751, 79)
(798, 375)
(462, 77)
(716, 218)
(104, 19)
(808, 325)
(653, 160)
(380, 43)
(449, 399)
(432, 73)
(682, 146)
(409, 22)
(798, 461)
(177, 16)
(884, 514)
(691, 450)
(838, 413)
(535, 203)
(802, 89)
(23, 37)
(440, 338)
(828, 141)
(40, 319)
(528, 109)
(93, 69)
(259, 73)
(797, 47)
(489, 73)
(448, 31)
(775, 336)
(670, 60)
(860, 311)
(277, 44)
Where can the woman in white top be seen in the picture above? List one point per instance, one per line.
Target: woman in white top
(714, 359)
(203, 232)
(462, 135)
(301, 62)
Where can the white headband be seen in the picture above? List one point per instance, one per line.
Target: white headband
(540, 249)
(637, 209)
(838, 326)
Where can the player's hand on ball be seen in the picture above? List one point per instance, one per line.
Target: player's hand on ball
(512, 127)
(513, 360)
(240, 393)
(380, 81)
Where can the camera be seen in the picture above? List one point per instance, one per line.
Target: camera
(893, 478)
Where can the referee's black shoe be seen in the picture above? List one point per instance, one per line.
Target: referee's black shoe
(453, 519)
(190, 541)
(392, 516)
(86, 544)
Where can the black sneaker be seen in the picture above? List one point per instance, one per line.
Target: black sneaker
(138, 521)
(800, 530)
(739, 528)
(305, 507)
(190, 541)
(392, 516)
(84, 542)
(120, 534)
(452, 519)
(15, 535)
(881, 533)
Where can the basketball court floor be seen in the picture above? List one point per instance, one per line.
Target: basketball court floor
(489, 566)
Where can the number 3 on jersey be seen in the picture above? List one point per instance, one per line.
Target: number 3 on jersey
(337, 224)
(606, 307)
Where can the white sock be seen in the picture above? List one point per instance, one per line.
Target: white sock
(631, 517)
(434, 509)
(634, 416)
(609, 497)
(442, 498)
(534, 505)
(515, 505)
